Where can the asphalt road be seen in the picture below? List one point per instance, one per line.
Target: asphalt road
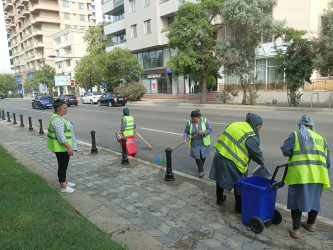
(163, 125)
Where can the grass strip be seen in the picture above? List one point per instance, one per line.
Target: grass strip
(35, 216)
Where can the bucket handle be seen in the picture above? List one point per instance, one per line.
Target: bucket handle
(279, 184)
(118, 136)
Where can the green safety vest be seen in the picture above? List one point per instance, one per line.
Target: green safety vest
(308, 165)
(52, 141)
(129, 129)
(205, 139)
(231, 144)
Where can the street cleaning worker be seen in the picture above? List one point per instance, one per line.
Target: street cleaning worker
(61, 141)
(238, 144)
(127, 127)
(307, 176)
(199, 144)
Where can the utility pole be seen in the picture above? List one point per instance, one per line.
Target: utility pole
(90, 87)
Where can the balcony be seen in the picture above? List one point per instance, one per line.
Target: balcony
(112, 7)
(115, 27)
(119, 45)
(168, 7)
(9, 17)
(9, 5)
(44, 6)
(45, 19)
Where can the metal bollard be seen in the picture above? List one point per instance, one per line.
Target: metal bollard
(93, 142)
(41, 131)
(30, 124)
(14, 117)
(8, 116)
(0, 113)
(3, 115)
(21, 125)
(168, 175)
(124, 159)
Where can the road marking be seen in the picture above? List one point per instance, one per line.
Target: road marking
(161, 131)
(40, 111)
(269, 117)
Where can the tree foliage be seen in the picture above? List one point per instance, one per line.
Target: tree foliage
(7, 83)
(244, 23)
(192, 33)
(96, 39)
(295, 60)
(324, 44)
(43, 76)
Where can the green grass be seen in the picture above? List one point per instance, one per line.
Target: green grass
(35, 216)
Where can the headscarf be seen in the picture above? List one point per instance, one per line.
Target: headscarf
(254, 120)
(125, 111)
(196, 113)
(306, 138)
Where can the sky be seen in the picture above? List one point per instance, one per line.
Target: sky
(5, 67)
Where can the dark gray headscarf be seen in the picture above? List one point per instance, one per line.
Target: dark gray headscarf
(254, 120)
(125, 111)
(306, 137)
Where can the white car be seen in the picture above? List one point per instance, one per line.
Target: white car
(91, 98)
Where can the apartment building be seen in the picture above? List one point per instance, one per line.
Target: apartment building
(31, 25)
(141, 26)
(97, 15)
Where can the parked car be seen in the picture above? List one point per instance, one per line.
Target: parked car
(68, 99)
(112, 100)
(91, 98)
(42, 101)
(2, 96)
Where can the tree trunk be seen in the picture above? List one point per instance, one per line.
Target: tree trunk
(244, 91)
(292, 99)
(204, 89)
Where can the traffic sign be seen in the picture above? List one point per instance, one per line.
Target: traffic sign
(105, 85)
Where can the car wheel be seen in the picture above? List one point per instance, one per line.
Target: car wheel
(99, 103)
(76, 104)
(110, 104)
(91, 102)
(33, 106)
(40, 106)
(123, 104)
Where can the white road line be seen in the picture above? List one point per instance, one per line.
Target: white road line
(161, 131)
(40, 111)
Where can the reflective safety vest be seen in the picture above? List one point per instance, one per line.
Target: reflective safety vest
(129, 129)
(205, 139)
(52, 141)
(308, 165)
(231, 144)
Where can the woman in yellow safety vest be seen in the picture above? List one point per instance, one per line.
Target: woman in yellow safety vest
(197, 134)
(127, 127)
(307, 176)
(237, 145)
(61, 141)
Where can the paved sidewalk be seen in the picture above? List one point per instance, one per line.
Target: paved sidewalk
(136, 206)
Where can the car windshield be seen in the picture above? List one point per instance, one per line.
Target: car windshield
(70, 96)
(97, 94)
(46, 98)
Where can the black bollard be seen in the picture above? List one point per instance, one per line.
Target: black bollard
(41, 131)
(14, 117)
(8, 116)
(93, 142)
(0, 113)
(21, 125)
(124, 160)
(30, 124)
(3, 115)
(168, 175)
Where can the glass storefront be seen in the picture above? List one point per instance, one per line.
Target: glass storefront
(160, 84)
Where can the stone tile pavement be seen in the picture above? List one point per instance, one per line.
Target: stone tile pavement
(136, 206)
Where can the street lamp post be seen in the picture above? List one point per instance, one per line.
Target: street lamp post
(90, 87)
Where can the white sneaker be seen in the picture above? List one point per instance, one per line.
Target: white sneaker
(71, 184)
(67, 190)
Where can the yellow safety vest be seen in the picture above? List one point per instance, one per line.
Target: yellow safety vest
(231, 144)
(52, 142)
(129, 129)
(205, 139)
(308, 165)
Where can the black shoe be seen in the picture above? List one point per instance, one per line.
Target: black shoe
(219, 202)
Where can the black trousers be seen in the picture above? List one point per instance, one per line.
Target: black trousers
(296, 215)
(200, 163)
(63, 160)
(238, 198)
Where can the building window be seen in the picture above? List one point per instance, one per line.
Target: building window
(81, 6)
(147, 26)
(104, 17)
(65, 3)
(261, 70)
(82, 18)
(146, 3)
(66, 37)
(59, 65)
(83, 27)
(57, 41)
(68, 63)
(133, 31)
(67, 26)
(66, 16)
(131, 6)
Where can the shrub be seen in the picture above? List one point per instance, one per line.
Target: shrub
(133, 92)
(252, 94)
(228, 94)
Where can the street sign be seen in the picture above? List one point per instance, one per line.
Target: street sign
(105, 78)
(105, 85)
(62, 80)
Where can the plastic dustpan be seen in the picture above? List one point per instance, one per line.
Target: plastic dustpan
(262, 172)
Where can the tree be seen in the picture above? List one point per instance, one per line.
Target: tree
(295, 60)
(122, 67)
(31, 83)
(96, 39)
(244, 22)
(7, 83)
(324, 44)
(193, 34)
(45, 75)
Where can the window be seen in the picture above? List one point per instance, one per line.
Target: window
(57, 41)
(146, 3)
(65, 3)
(59, 65)
(68, 63)
(261, 70)
(131, 6)
(147, 26)
(104, 17)
(66, 37)
(82, 18)
(58, 52)
(83, 27)
(81, 6)
(66, 16)
(67, 26)
(133, 31)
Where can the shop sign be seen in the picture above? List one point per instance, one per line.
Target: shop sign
(154, 76)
